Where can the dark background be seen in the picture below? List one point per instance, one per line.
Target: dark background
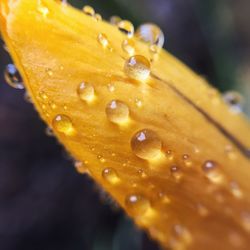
(44, 203)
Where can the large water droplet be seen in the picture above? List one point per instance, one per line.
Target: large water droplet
(86, 91)
(137, 67)
(146, 144)
(126, 27)
(117, 111)
(110, 175)
(137, 204)
(63, 124)
(12, 77)
(151, 34)
(234, 100)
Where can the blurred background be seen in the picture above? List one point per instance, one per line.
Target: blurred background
(44, 203)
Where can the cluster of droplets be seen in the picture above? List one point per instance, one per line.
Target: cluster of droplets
(88, 10)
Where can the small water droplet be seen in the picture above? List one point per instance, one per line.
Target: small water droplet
(176, 172)
(12, 77)
(49, 71)
(138, 102)
(146, 144)
(210, 168)
(137, 67)
(115, 20)
(151, 34)
(141, 173)
(128, 46)
(230, 152)
(202, 210)
(52, 105)
(80, 167)
(186, 159)
(98, 17)
(137, 204)
(164, 198)
(27, 97)
(111, 87)
(110, 175)
(126, 27)
(234, 101)
(43, 96)
(63, 124)
(170, 155)
(117, 111)
(235, 189)
(86, 91)
(101, 158)
(49, 132)
(43, 10)
(88, 10)
(103, 40)
(182, 233)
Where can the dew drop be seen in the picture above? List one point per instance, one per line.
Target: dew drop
(146, 144)
(176, 172)
(230, 152)
(98, 17)
(235, 189)
(27, 97)
(80, 167)
(210, 168)
(141, 173)
(234, 100)
(126, 27)
(49, 132)
(138, 102)
(186, 159)
(43, 96)
(88, 10)
(111, 87)
(63, 124)
(103, 40)
(117, 111)
(151, 34)
(137, 67)
(128, 46)
(49, 71)
(12, 77)
(170, 155)
(43, 10)
(137, 204)
(110, 175)
(101, 158)
(115, 20)
(86, 91)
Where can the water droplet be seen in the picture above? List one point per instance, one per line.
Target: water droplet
(12, 77)
(235, 189)
(63, 124)
(182, 233)
(128, 46)
(210, 168)
(27, 97)
(202, 210)
(141, 173)
(164, 198)
(137, 67)
(110, 175)
(245, 219)
(80, 167)
(176, 172)
(103, 40)
(49, 132)
(126, 27)
(151, 34)
(101, 158)
(146, 144)
(43, 96)
(52, 105)
(98, 17)
(111, 87)
(117, 111)
(49, 71)
(43, 10)
(230, 152)
(88, 10)
(234, 100)
(115, 20)
(138, 102)
(186, 159)
(86, 91)
(137, 204)
(169, 154)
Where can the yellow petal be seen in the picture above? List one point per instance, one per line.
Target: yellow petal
(166, 147)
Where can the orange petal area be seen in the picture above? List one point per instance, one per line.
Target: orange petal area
(165, 146)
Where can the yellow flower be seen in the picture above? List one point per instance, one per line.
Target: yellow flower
(151, 132)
